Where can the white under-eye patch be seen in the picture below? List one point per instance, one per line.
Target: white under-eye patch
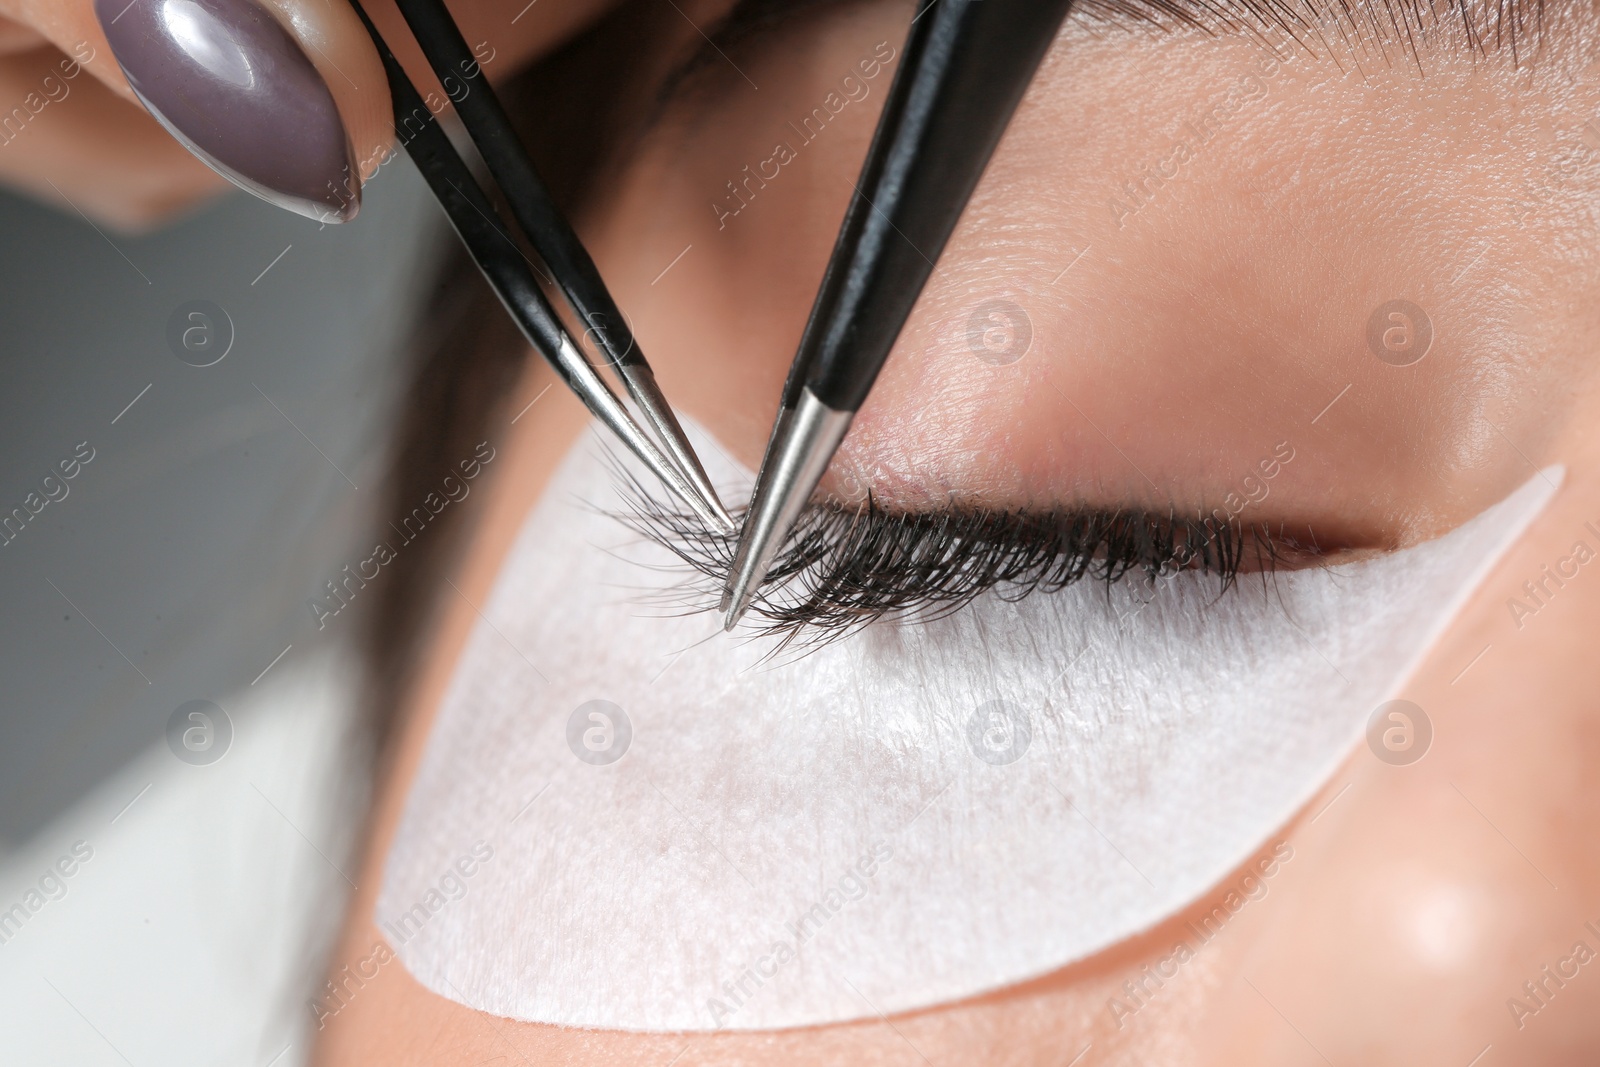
(628, 821)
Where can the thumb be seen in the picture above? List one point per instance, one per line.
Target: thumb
(285, 98)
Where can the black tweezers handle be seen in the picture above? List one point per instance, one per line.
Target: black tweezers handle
(469, 209)
(965, 67)
(525, 192)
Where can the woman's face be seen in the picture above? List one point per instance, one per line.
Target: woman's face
(1189, 247)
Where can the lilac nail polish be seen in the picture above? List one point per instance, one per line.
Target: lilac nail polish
(227, 80)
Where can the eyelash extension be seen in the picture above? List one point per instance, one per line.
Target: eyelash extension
(844, 567)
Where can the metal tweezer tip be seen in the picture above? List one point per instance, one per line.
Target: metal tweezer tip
(600, 401)
(803, 443)
(640, 381)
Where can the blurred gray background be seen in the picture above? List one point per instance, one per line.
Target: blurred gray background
(179, 564)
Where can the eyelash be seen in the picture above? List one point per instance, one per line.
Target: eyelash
(845, 567)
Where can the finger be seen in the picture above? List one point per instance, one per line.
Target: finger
(332, 35)
(280, 96)
(286, 98)
(70, 140)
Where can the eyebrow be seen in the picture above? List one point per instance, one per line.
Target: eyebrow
(1366, 28)
(1364, 25)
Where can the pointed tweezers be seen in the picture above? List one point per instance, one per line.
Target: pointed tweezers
(511, 275)
(964, 68)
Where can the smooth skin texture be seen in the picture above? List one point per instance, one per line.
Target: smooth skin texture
(1226, 314)
(93, 145)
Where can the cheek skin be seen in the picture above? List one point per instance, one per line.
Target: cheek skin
(1197, 331)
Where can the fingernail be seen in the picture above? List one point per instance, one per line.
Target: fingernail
(228, 81)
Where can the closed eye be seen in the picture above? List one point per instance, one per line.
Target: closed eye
(846, 566)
